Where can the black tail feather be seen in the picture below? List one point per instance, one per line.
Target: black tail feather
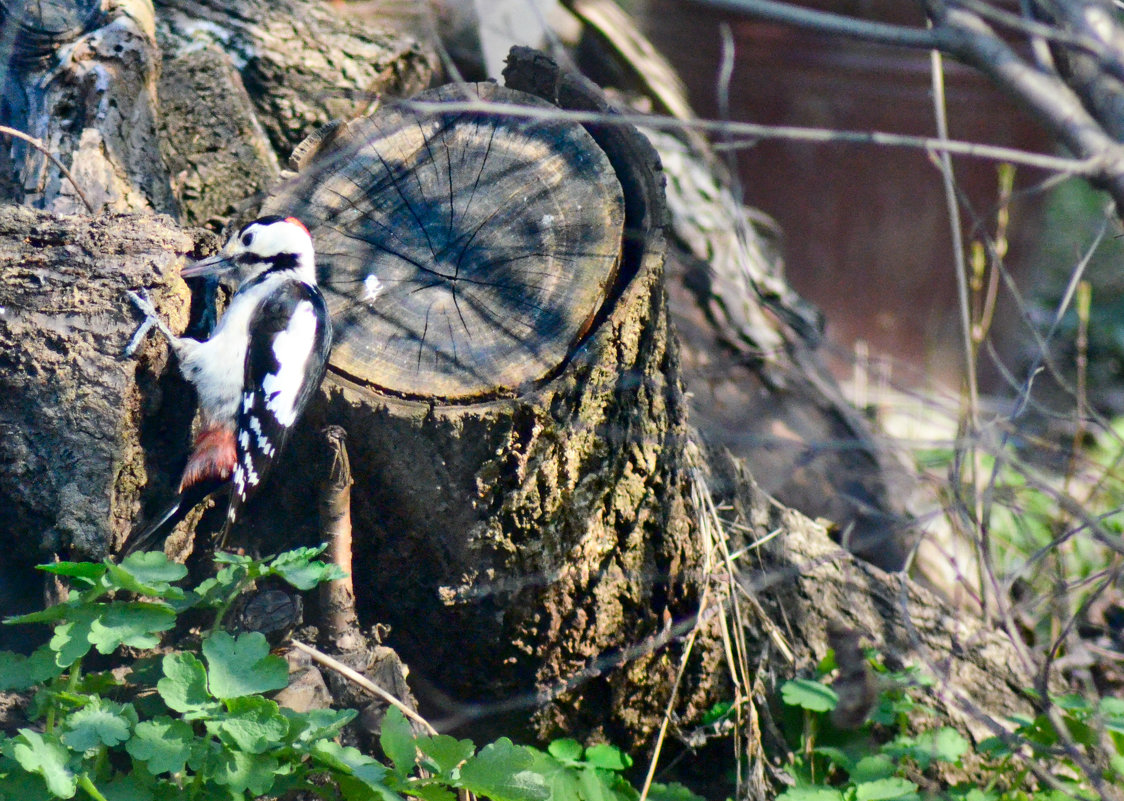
(161, 526)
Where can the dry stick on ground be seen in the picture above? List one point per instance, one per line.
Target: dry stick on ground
(42, 148)
(337, 598)
(361, 680)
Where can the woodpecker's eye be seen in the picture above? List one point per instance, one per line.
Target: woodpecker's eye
(247, 238)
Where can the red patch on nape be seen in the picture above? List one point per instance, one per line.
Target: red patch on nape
(298, 223)
(213, 456)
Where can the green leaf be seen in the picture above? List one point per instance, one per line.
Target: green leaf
(130, 787)
(19, 672)
(872, 768)
(184, 686)
(566, 750)
(299, 568)
(885, 789)
(608, 757)
(253, 724)
(970, 792)
(89, 572)
(592, 787)
(808, 694)
(351, 762)
(354, 790)
(946, 744)
(99, 723)
(500, 771)
(241, 772)
(52, 614)
(717, 712)
(446, 752)
(1112, 707)
(228, 558)
(243, 666)
(836, 756)
(163, 744)
(71, 640)
(561, 777)
(316, 724)
(1073, 703)
(672, 792)
(397, 741)
(432, 792)
(218, 590)
(810, 794)
(135, 624)
(994, 747)
(45, 756)
(148, 573)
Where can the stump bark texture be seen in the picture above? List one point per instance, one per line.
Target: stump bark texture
(522, 547)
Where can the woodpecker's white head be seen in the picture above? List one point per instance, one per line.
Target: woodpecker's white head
(268, 244)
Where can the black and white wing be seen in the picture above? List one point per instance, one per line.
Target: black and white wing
(290, 338)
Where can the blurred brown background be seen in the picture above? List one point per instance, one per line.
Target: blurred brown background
(866, 229)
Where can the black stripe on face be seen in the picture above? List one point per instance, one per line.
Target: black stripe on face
(278, 261)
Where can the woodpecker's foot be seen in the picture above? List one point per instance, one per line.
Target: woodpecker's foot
(141, 301)
(151, 319)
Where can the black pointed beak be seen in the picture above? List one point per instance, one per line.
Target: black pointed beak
(212, 265)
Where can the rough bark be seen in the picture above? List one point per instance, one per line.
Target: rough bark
(94, 106)
(76, 433)
(303, 63)
(215, 149)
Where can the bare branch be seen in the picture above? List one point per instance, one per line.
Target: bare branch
(42, 148)
(965, 36)
(835, 24)
(747, 134)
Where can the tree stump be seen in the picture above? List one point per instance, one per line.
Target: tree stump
(525, 530)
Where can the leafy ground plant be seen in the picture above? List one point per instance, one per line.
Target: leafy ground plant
(881, 761)
(195, 722)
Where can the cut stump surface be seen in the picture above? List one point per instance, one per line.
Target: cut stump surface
(463, 255)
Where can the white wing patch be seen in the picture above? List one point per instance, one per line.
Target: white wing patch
(292, 348)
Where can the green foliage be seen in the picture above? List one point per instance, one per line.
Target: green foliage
(881, 760)
(1047, 531)
(195, 724)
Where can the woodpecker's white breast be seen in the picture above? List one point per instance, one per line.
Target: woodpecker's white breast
(217, 367)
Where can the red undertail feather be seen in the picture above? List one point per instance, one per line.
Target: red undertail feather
(213, 456)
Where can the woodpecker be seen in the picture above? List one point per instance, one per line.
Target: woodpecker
(256, 373)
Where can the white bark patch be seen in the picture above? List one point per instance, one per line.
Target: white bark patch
(292, 348)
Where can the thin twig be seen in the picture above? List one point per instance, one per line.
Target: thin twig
(42, 148)
(362, 681)
(834, 24)
(748, 134)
